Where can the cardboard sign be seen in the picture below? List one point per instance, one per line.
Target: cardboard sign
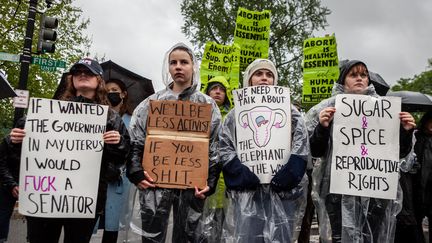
(177, 162)
(263, 128)
(61, 158)
(365, 159)
(179, 118)
(177, 146)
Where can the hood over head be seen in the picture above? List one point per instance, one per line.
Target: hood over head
(166, 76)
(256, 65)
(345, 67)
(222, 81)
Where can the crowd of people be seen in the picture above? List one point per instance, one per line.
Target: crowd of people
(234, 206)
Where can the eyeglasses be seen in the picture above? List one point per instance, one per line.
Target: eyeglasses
(78, 72)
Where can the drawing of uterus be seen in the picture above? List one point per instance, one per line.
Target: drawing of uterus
(261, 120)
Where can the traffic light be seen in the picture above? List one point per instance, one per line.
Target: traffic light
(47, 34)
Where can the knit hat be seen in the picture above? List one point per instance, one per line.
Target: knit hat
(256, 65)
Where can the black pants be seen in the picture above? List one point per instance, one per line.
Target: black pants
(7, 203)
(48, 230)
(155, 210)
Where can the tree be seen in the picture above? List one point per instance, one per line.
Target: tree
(421, 82)
(71, 44)
(291, 23)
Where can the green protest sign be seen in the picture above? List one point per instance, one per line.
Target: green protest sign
(252, 34)
(220, 60)
(320, 68)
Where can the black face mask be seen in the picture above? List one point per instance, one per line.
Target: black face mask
(114, 98)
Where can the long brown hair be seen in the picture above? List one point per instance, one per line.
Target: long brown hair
(70, 91)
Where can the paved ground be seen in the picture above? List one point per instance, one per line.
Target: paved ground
(18, 232)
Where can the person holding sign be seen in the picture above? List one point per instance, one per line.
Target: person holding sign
(267, 208)
(84, 85)
(342, 217)
(181, 77)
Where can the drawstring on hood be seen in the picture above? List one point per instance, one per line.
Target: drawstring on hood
(256, 65)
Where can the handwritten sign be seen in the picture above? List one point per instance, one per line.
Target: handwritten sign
(177, 162)
(176, 148)
(171, 117)
(366, 146)
(61, 158)
(263, 127)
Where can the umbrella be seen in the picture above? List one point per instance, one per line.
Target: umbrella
(6, 89)
(413, 101)
(138, 87)
(381, 86)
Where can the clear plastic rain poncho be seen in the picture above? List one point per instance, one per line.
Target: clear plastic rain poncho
(345, 218)
(262, 215)
(157, 214)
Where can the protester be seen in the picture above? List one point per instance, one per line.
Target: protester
(9, 179)
(84, 84)
(219, 89)
(263, 212)
(423, 149)
(210, 229)
(118, 184)
(181, 77)
(344, 218)
(409, 226)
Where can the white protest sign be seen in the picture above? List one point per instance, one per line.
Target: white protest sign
(263, 125)
(365, 159)
(61, 158)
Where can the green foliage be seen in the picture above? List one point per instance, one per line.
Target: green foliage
(71, 45)
(421, 82)
(291, 23)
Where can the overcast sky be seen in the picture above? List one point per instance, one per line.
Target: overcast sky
(393, 37)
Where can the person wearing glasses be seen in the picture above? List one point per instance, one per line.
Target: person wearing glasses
(84, 84)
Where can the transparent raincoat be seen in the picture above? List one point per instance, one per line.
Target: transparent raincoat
(150, 209)
(263, 215)
(210, 226)
(345, 218)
